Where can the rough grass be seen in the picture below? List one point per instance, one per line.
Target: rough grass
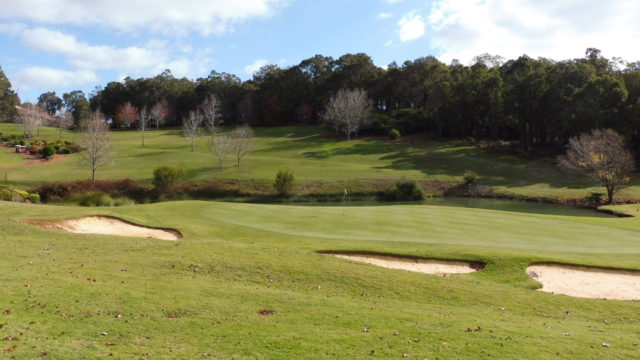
(201, 297)
(316, 156)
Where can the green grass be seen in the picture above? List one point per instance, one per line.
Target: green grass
(8, 157)
(238, 259)
(318, 157)
(629, 209)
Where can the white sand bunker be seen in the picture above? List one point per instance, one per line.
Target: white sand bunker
(426, 266)
(105, 225)
(587, 282)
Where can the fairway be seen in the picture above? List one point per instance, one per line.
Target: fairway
(316, 157)
(247, 282)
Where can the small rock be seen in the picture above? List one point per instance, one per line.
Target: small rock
(565, 334)
(502, 309)
(366, 330)
(405, 355)
(118, 316)
(104, 333)
(606, 345)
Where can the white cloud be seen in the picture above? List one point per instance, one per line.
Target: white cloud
(36, 77)
(159, 16)
(255, 66)
(411, 27)
(393, 1)
(555, 29)
(388, 43)
(86, 56)
(11, 29)
(150, 59)
(384, 15)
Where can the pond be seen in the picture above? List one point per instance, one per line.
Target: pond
(479, 203)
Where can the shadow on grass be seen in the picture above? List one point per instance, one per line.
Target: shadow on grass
(493, 169)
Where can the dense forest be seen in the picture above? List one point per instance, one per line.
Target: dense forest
(536, 103)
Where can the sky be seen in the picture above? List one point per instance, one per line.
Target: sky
(64, 45)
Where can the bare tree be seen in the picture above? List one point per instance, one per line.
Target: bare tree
(144, 120)
(221, 147)
(96, 141)
(241, 142)
(63, 122)
(191, 127)
(31, 118)
(212, 112)
(348, 111)
(602, 155)
(160, 112)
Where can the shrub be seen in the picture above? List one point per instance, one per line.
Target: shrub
(14, 195)
(594, 197)
(284, 182)
(34, 198)
(403, 190)
(166, 178)
(48, 151)
(123, 201)
(5, 194)
(72, 148)
(93, 199)
(117, 188)
(470, 178)
(394, 134)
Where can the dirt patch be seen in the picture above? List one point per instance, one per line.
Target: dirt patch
(105, 225)
(35, 160)
(587, 282)
(426, 266)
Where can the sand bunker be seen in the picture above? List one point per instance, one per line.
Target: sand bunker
(587, 282)
(426, 266)
(105, 225)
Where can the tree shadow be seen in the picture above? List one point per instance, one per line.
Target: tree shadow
(494, 169)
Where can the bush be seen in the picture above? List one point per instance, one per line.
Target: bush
(403, 190)
(284, 182)
(48, 151)
(93, 199)
(34, 198)
(14, 195)
(71, 148)
(166, 178)
(470, 178)
(394, 134)
(123, 201)
(118, 188)
(5, 194)
(595, 197)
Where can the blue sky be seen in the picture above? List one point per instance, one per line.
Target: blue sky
(62, 45)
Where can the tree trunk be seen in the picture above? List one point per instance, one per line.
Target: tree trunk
(93, 176)
(610, 191)
(143, 139)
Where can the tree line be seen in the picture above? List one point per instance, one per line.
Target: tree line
(538, 103)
